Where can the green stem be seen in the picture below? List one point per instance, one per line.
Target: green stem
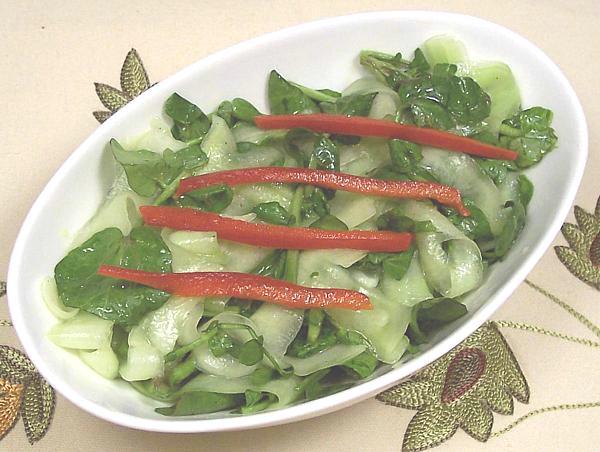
(182, 371)
(509, 131)
(291, 259)
(182, 351)
(314, 94)
(236, 326)
(170, 189)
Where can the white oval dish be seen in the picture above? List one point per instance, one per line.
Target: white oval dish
(320, 54)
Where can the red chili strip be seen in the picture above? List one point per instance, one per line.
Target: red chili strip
(242, 285)
(369, 127)
(273, 236)
(444, 194)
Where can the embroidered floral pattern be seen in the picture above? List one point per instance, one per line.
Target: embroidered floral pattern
(461, 389)
(134, 81)
(582, 256)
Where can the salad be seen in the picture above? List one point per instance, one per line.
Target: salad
(245, 261)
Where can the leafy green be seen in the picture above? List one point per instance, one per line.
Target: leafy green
(362, 365)
(431, 315)
(351, 105)
(262, 375)
(525, 190)
(393, 69)
(513, 226)
(80, 286)
(443, 100)
(148, 172)
(315, 204)
(272, 212)
(395, 220)
(529, 132)
(243, 110)
(329, 222)
(221, 344)
(496, 169)
(200, 402)
(251, 352)
(215, 198)
(475, 226)
(273, 265)
(190, 123)
(326, 154)
(393, 264)
(315, 319)
(285, 98)
(225, 111)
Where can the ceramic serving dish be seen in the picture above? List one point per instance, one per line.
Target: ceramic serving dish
(322, 53)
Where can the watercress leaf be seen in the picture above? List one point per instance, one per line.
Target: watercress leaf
(329, 222)
(496, 169)
(252, 397)
(315, 204)
(475, 226)
(431, 315)
(326, 154)
(221, 344)
(244, 110)
(262, 375)
(315, 319)
(225, 111)
(427, 113)
(353, 105)
(214, 198)
(525, 190)
(419, 65)
(190, 122)
(79, 285)
(143, 168)
(397, 264)
(404, 155)
(273, 265)
(362, 365)
(272, 212)
(529, 132)
(250, 352)
(284, 98)
(188, 158)
(246, 146)
(512, 227)
(467, 102)
(395, 220)
(200, 402)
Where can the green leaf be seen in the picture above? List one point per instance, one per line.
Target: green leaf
(513, 226)
(352, 105)
(273, 265)
(222, 344)
(134, 79)
(329, 222)
(189, 158)
(363, 365)
(326, 154)
(225, 111)
(496, 169)
(405, 156)
(430, 114)
(244, 110)
(529, 132)
(261, 376)
(272, 212)
(284, 98)
(525, 190)
(475, 226)
(315, 319)
(190, 122)
(393, 69)
(215, 198)
(315, 204)
(200, 402)
(111, 98)
(79, 286)
(251, 353)
(252, 397)
(431, 315)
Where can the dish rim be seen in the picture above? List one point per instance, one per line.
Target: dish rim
(356, 393)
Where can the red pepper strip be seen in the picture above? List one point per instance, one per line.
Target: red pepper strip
(242, 285)
(272, 236)
(329, 179)
(368, 127)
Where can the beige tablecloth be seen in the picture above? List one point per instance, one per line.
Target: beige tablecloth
(52, 51)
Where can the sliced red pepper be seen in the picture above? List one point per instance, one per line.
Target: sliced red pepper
(329, 179)
(272, 236)
(242, 285)
(369, 127)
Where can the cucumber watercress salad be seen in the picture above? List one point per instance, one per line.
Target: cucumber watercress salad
(203, 346)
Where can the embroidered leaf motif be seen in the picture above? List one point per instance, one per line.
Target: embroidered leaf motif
(461, 389)
(111, 98)
(14, 365)
(476, 420)
(10, 402)
(134, 79)
(428, 428)
(37, 409)
(24, 391)
(582, 256)
(101, 115)
(2, 288)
